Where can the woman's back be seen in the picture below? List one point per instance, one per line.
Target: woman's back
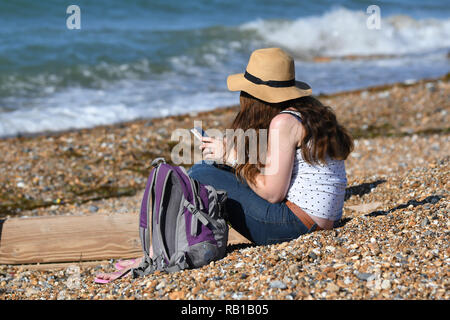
(319, 189)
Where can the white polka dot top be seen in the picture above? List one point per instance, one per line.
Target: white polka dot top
(318, 189)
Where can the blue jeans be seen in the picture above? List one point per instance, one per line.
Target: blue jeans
(255, 218)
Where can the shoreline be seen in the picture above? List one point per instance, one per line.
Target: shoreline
(371, 89)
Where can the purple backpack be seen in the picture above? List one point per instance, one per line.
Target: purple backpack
(182, 219)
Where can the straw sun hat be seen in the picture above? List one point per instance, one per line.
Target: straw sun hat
(270, 76)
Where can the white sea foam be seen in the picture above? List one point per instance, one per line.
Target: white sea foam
(77, 108)
(344, 32)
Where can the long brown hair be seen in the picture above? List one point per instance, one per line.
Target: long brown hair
(324, 136)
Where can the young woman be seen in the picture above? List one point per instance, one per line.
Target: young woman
(300, 185)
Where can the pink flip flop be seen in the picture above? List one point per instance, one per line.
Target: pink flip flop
(115, 275)
(124, 264)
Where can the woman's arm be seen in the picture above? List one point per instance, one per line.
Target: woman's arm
(272, 184)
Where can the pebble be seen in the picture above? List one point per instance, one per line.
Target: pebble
(278, 284)
(160, 285)
(312, 255)
(424, 222)
(364, 276)
(21, 184)
(331, 287)
(386, 284)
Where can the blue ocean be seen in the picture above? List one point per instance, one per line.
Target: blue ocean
(143, 59)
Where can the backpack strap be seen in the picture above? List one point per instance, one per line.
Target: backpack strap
(200, 215)
(197, 213)
(178, 263)
(194, 187)
(147, 266)
(162, 178)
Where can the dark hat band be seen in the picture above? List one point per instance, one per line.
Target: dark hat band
(270, 83)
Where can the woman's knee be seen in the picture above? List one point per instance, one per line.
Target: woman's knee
(197, 167)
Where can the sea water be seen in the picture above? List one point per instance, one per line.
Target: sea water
(142, 59)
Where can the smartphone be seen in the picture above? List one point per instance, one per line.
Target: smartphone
(199, 132)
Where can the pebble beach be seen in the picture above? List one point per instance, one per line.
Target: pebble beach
(392, 242)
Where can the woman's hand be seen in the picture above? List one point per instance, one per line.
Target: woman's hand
(216, 149)
(213, 149)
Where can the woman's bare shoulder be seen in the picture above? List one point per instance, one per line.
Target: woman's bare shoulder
(288, 126)
(283, 120)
